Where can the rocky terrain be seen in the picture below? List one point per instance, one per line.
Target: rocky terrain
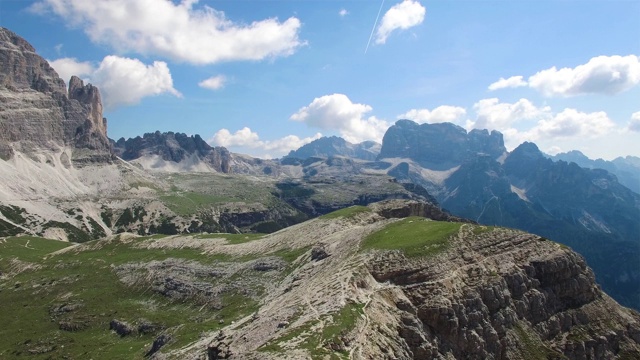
(379, 282)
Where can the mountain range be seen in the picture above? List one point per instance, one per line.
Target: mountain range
(405, 249)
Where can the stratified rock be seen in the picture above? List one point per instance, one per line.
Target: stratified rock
(39, 114)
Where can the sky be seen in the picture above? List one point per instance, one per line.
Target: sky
(265, 77)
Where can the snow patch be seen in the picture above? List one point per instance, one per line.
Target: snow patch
(522, 194)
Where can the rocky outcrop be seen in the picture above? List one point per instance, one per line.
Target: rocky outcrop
(175, 147)
(39, 114)
(504, 294)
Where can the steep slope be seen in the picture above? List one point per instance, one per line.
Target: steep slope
(361, 283)
(627, 169)
(173, 152)
(38, 112)
(336, 146)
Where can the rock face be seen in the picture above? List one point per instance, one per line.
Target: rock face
(337, 146)
(438, 146)
(174, 147)
(505, 295)
(39, 114)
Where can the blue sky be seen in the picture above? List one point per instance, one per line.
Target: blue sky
(264, 77)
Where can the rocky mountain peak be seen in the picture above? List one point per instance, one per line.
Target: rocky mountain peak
(22, 68)
(439, 146)
(38, 112)
(174, 147)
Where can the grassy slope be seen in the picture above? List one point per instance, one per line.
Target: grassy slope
(31, 325)
(415, 236)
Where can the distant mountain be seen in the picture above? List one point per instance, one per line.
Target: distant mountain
(439, 146)
(627, 169)
(173, 151)
(336, 146)
(38, 113)
(471, 176)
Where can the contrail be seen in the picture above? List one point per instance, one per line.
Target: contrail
(374, 27)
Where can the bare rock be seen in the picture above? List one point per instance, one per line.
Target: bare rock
(121, 328)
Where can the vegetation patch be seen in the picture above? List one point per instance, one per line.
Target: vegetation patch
(415, 236)
(348, 212)
(63, 307)
(190, 202)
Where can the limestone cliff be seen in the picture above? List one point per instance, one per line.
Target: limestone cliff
(38, 113)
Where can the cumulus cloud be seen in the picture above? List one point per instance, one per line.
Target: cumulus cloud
(213, 83)
(122, 81)
(601, 75)
(493, 114)
(337, 112)
(125, 81)
(443, 113)
(573, 123)
(524, 121)
(401, 16)
(512, 82)
(67, 67)
(343, 12)
(634, 124)
(249, 140)
(178, 31)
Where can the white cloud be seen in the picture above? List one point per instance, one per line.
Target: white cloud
(601, 75)
(122, 81)
(634, 124)
(125, 81)
(443, 113)
(337, 112)
(495, 115)
(404, 15)
(242, 137)
(572, 123)
(213, 83)
(512, 82)
(524, 121)
(177, 31)
(248, 140)
(67, 67)
(343, 12)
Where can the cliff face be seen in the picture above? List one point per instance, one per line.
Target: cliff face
(336, 146)
(39, 114)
